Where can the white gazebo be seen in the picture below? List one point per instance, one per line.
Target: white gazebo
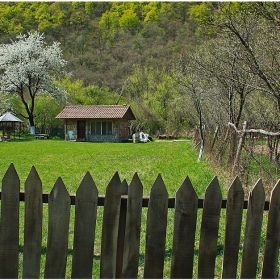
(9, 123)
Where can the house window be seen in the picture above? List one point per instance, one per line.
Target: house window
(101, 128)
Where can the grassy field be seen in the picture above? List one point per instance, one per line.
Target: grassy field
(71, 160)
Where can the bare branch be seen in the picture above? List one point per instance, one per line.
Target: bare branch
(268, 133)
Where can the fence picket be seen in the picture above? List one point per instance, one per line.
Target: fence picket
(121, 234)
(234, 212)
(58, 230)
(9, 232)
(133, 228)
(156, 230)
(122, 224)
(270, 261)
(32, 225)
(253, 231)
(184, 231)
(209, 230)
(84, 228)
(110, 228)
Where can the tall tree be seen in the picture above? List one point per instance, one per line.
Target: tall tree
(28, 68)
(255, 27)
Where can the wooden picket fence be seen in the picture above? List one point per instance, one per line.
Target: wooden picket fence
(121, 229)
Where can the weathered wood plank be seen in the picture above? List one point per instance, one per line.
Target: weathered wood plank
(156, 230)
(58, 231)
(9, 231)
(110, 227)
(209, 230)
(234, 214)
(184, 231)
(121, 234)
(84, 228)
(32, 225)
(133, 229)
(253, 231)
(271, 254)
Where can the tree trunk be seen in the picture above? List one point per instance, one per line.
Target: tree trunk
(29, 110)
(32, 124)
(201, 150)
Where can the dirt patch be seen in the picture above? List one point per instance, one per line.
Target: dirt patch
(262, 149)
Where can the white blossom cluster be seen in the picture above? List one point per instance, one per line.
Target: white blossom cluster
(29, 67)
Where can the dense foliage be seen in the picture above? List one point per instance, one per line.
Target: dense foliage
(179, 64)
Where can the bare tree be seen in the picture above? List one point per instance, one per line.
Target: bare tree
(256, 33)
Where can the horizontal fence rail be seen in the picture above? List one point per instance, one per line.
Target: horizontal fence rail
(145, 201)
(121, 226)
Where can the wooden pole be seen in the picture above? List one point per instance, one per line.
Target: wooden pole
(239, 149)
(214, 138)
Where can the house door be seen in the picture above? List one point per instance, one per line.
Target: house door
(81, 130)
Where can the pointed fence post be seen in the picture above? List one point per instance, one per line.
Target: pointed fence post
(253, 231)
(110, 227)
(184, 231)
(209, 230)
(270, 261)
(121, 234)
(9, 232)
(84, 228)
(32, 225)
(58, 231)
(133, 228)
(234, 212)
(156, 230)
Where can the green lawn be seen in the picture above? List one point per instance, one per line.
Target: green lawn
(71, 160)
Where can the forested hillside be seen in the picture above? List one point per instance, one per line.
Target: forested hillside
(179, 64)
(103, 41)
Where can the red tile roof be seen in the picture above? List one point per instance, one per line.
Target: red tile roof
(96, 112)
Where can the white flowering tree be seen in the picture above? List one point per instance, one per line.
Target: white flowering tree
(28, 68)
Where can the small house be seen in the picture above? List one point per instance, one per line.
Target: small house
(97, 123)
